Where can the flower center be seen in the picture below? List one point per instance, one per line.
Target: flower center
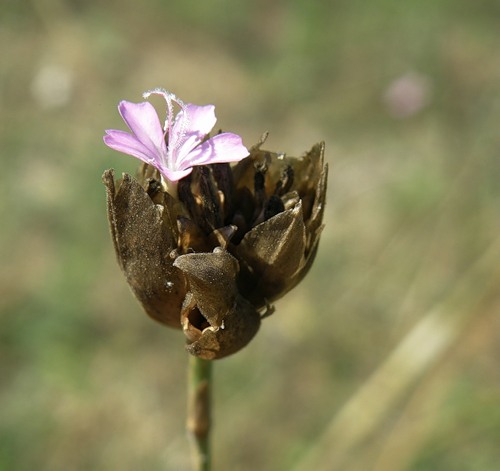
(181, 122)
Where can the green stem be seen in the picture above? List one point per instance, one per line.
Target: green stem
(199, 411)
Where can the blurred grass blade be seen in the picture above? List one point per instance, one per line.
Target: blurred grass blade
(420, 350)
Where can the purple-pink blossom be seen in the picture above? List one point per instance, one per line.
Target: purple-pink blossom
(180, 144)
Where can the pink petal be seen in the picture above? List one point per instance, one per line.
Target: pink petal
(201, 118)
(175, 175)
(185, 147)
(144, 123)
(190, 127)
(225, 147)
(128, 144)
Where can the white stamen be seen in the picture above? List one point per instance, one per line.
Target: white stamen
(170, 98)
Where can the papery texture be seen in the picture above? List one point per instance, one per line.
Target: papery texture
(234, 240)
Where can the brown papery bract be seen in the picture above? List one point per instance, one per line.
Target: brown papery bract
(233, 240)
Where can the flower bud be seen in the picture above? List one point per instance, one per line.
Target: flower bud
(233, 240)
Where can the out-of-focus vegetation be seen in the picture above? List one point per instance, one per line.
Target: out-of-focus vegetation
(385, 358)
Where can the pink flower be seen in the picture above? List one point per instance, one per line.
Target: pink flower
(179, 145)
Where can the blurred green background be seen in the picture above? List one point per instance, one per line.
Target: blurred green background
(385, 358)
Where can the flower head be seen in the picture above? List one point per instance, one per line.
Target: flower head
(180, 144)
(232, 241)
